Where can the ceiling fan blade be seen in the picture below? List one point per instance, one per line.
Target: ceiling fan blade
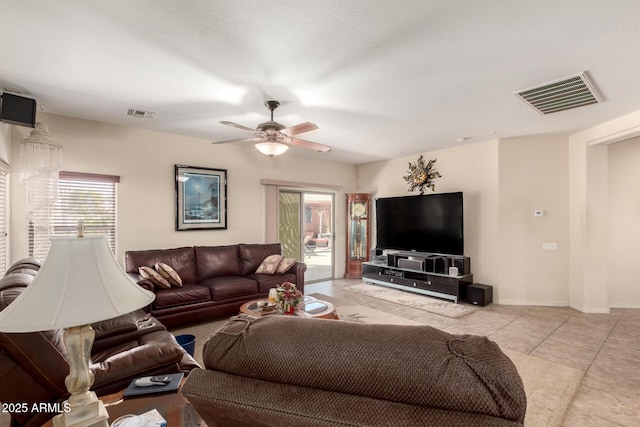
(310, 145)
(235, 125)
(300, 128)
(237, 140)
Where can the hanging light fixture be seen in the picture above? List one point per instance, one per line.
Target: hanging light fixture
(271, 148)
(41, 161)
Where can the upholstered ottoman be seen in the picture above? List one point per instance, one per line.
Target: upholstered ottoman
(290, 371)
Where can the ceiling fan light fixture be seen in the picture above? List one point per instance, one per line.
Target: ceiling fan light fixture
(274, 138)
(271, 148)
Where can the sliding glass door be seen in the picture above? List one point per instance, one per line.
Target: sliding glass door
(305, 229)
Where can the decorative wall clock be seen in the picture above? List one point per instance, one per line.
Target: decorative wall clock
(421, 175)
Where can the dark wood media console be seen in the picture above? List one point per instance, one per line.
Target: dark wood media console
(430, 283)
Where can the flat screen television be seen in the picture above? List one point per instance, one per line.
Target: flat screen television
(430, 223)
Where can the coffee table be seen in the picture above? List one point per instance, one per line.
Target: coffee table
(308, 307)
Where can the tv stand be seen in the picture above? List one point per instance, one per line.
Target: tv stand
(428, 283)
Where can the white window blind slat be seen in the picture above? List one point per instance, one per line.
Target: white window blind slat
(87, 197)
(4, 170)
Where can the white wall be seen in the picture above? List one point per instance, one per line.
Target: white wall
(5, 150)
(472, 169)
(503, 182)
(5, 141)
(624, 224)
(145, 162)
(591, 272)
(534, 175)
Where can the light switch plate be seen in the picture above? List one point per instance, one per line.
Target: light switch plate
(549, 246)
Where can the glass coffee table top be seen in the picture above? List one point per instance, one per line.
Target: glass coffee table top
(308, 307)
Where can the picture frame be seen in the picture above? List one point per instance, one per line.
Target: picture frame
(201, 198)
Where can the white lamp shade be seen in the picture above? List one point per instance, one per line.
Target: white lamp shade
(80, 282)
(272, 148)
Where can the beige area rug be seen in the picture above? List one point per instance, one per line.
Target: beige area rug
(417, 301)
(202, 332)
(550, 387)
(363, 314)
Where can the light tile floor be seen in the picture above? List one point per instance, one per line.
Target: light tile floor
(604, 346)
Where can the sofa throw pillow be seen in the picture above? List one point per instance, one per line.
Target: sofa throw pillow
(155, 277)
(269, 265)
(169, 273)
(285, 265)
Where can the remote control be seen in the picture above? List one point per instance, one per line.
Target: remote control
(150, 381)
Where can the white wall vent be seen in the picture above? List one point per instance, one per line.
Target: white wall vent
(563, 94)
(140, 114)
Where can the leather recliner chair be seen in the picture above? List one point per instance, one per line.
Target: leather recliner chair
(33, 366)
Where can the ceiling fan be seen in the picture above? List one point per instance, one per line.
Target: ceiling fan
(274, 138)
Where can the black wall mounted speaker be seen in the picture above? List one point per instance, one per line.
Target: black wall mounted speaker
(18, 110)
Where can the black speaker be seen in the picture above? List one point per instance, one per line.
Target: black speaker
(479, 294)
(442, 264)
(18, 110)
(463, 264)
(412, 264)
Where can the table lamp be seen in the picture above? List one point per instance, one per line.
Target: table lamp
(79, 283)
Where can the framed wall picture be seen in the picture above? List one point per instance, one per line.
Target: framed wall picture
(201, 198)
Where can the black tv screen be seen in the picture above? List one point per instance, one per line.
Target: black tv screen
(430, 223)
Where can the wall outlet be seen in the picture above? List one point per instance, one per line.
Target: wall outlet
(549, 246)
(538, 213)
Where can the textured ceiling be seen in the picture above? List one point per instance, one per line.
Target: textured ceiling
(381, 79)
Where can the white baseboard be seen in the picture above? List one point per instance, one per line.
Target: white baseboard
(621, 305)
(528, 302)
(593, 310)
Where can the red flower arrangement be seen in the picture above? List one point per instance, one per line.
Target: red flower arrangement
(288, 296)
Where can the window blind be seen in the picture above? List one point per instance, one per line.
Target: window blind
(87, 197)
(4, 170)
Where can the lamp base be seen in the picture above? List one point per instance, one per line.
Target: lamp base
(84, 408)
(91, 414)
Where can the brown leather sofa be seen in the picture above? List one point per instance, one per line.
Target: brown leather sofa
(33, 366)
(293, 371)
(217, 280)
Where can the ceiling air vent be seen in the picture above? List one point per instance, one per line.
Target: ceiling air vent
(559, 95)
(140, 114)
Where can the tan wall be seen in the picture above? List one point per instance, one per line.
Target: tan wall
(5, 149)
(5, 141)
(145, 162)
(472, 169)
(533, 176)
(504, 181)
(591, 272)
(577, 213)
(624, 220)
